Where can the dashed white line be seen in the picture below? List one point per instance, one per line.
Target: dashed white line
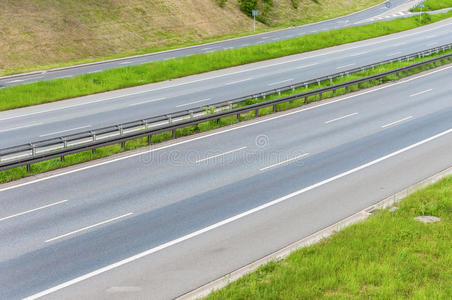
(394, 53)
(238, 81)
(32, 210)
(95, 71)
(279, 82)
(420, 93)
(20, 127)
(349, 65)
(284, 162)
(397, 122)
(306, 66)
(17, 80)
(88, 227)
(190, 103)
(230, 219)
(147, 101)
(62, 131)
(125, 62)
(341, 118)
(358, 54)
(222, 154)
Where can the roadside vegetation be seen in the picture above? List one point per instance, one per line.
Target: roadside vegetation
(86, 31)
(49, 91)
(388, 256)
(45, 166)
(430, 5)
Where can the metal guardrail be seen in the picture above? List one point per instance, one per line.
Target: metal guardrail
(27, 154)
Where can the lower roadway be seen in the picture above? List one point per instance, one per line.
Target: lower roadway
(162, 221)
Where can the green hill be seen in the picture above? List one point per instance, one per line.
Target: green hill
(54, 32)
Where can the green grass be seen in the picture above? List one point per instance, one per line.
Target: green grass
(49, 91)
(388, 256)
(41, 167)
(430, 5)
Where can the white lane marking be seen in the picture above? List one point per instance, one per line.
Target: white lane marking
(286, 161)
(62, 131)
(14, 81)
(349, 65)
(95, 71)
(358, 54)
(265, 37)
(20, 127)
(32, 210)
(221, 154)
(394, 53)
(420, 93)
(230, 220)
(67, 76)
(221, 131)
(88, 227)
(306, 66)
(279, 82)
(238, 81)
(125, 62)
(147, 101)
(190, 103)
(397, 122)
(341, 118)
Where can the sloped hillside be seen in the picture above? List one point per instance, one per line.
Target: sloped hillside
(45, 32)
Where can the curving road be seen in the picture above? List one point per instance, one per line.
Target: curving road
(25, 125)
(162, 221)
(273, 36)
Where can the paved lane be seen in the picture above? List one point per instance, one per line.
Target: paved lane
(57, 229)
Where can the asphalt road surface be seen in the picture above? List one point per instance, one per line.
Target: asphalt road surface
(29, 124)
(285, 34)
(165, 220)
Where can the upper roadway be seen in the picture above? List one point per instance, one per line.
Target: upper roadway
(29, 124)
(273, 36)
(161, 221)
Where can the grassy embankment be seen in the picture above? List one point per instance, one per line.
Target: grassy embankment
(86, 31)
(49, 91)
(388, 256)
(37, 168)
(430, 5)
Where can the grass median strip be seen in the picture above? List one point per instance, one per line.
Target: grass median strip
(49, 91)
(388, 256)
(41, 167)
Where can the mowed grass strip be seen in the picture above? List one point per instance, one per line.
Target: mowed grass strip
(73, 159)
(388, 256)
(49, 91)
(430, 5)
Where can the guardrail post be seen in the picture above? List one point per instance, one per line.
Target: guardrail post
(64, 146)
(256, 113)
(150, 139)
(318, 82)
(274, 108)
(174, 133)
(306, 100)
(279, 92)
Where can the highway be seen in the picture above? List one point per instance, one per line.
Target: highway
(348, 20)
(161, 221)
(26, 125)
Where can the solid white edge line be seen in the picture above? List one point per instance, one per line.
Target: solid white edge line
(397, 122)
(57, 132)
(88, 227)
(222, 131)
(32, 210)
(420, 93)
(283, 162)
(231, 219)
(238, 81)
(341, 118)
(222, 154)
